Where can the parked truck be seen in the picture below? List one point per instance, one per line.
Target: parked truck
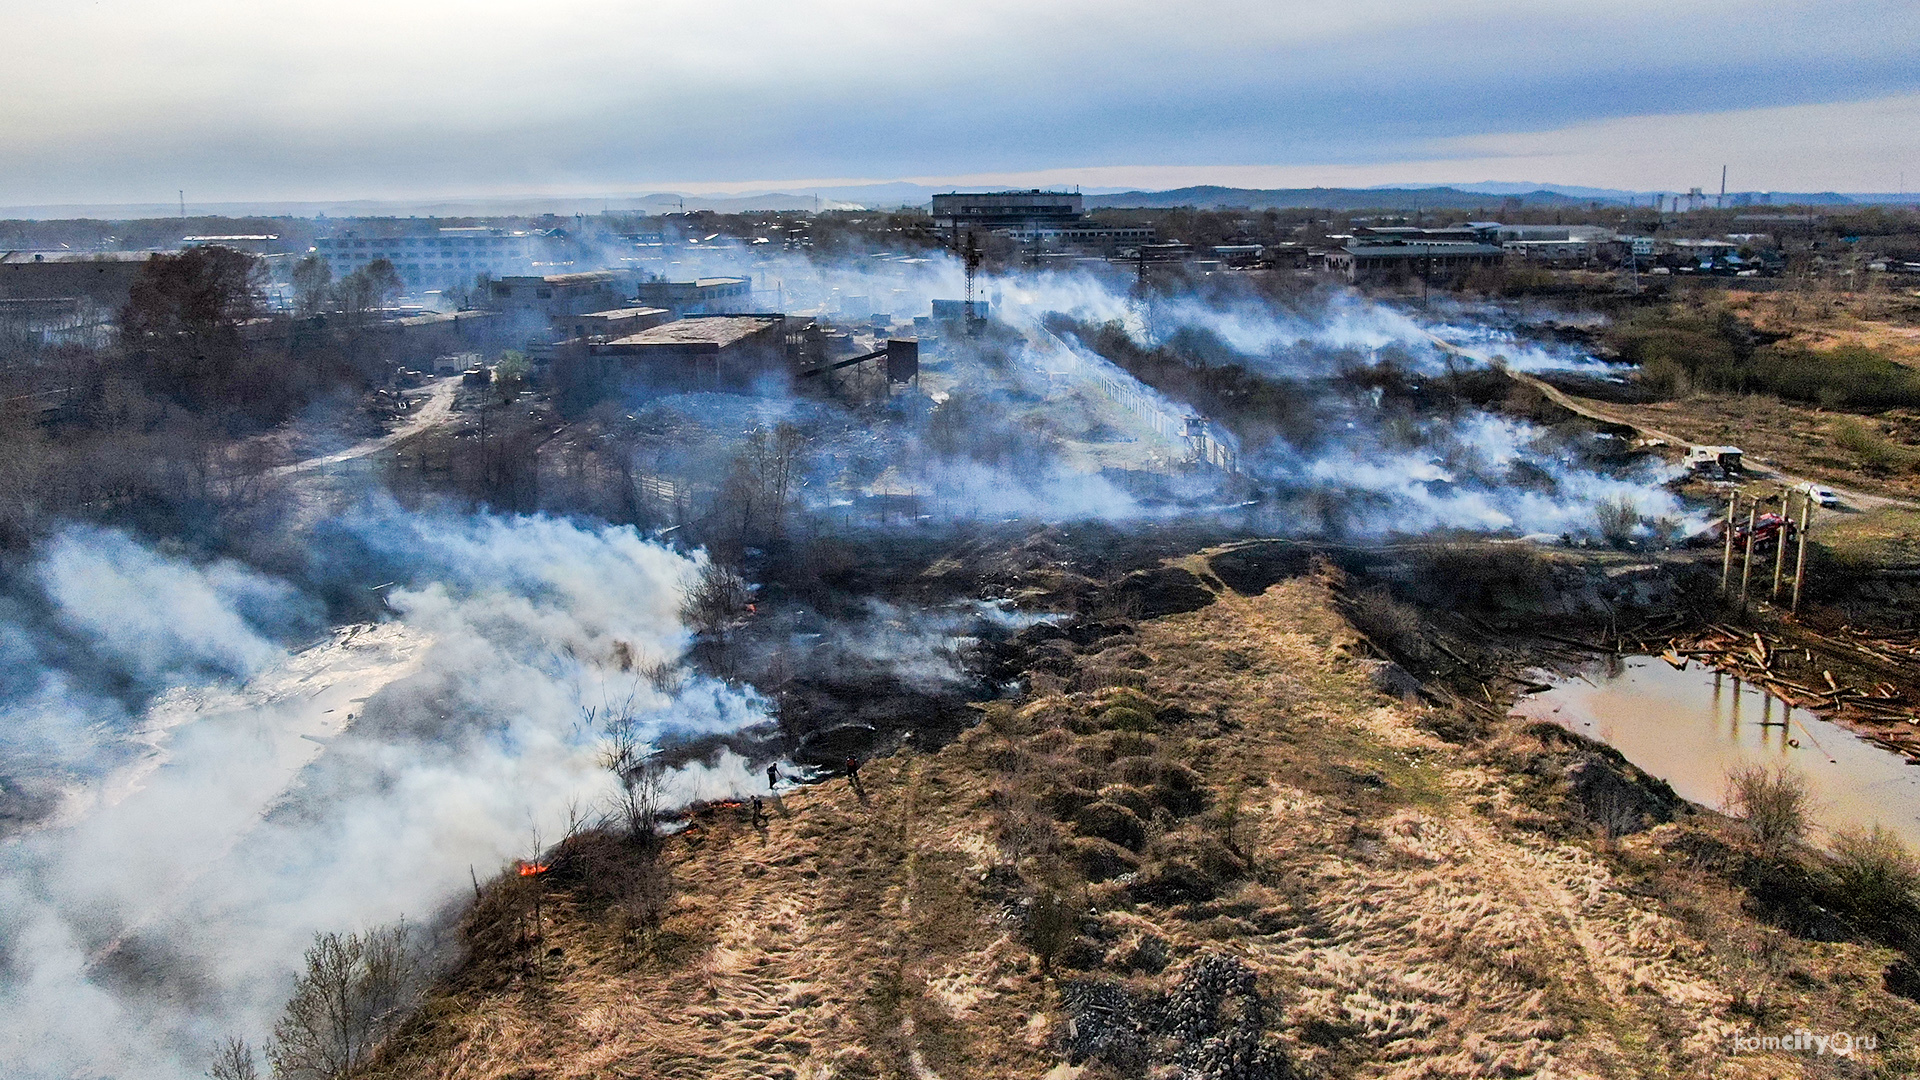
(1724, 458)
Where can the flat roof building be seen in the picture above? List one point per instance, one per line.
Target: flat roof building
(614, 323)
(702, 296)
(554, 295)
(707, 351)
(102, 278)
(454, 256)
(1382, 262)
(993, 209)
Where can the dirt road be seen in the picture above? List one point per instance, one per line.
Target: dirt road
(1592, 410)
(437, 408)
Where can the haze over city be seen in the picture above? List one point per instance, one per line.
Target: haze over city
(840, 540)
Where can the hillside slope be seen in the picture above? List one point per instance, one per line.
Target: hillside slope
(1258, 865)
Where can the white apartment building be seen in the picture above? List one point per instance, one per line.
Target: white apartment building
(446, 257)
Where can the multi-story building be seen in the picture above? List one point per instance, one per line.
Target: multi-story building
(702, 296)
(445, 257)
(1000, 209)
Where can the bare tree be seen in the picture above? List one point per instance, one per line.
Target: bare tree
(356, 990)
(639, 777)
(233, 1060)
(383, 282)
(312, 281)
(717, 599)
(642, 881)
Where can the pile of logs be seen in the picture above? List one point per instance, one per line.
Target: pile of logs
(1881, 713)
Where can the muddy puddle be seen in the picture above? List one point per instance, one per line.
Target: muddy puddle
(1691, 727)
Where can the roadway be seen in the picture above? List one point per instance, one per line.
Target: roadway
(436, 410)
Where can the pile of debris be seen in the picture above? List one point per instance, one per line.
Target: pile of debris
(1882, 713)
(1211, 1026)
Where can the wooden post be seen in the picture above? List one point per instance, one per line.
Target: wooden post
(1800, 560)
(1780, 548)
(1726, 560)
(1746, 557)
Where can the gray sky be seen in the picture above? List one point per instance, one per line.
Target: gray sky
(127, 100)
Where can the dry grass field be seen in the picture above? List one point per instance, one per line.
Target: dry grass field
(1223, 783)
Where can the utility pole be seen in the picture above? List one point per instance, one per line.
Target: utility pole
(1746, 560)
(1726, 560)
(973, 265)
(1800, 560)
(1723, 189)
(1780, 547)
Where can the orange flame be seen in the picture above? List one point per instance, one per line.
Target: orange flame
(530, 869)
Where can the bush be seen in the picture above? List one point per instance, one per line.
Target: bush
(1122, 718)
(1394, 627)
(1873, 451)
(716, 600)
(1873, 869)
(1772, 801)
(1049, 926)
(1101, 860)
(1617, 520)
(1110, 821)
(1680, 350)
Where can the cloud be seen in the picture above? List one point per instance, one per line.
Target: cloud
(111, 100)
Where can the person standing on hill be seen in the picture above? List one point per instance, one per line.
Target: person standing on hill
(853, 773)
(773, 776)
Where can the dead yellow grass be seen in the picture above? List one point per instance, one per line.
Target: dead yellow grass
(1402, 902)
(1886, 321)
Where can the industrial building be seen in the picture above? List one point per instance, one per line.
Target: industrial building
(705, 351)
(1047, 218)
(102, 279)
(1002, 209)
(1401, 260)
(445, 257)
(704, 296)
(617, 322)
(554, 295)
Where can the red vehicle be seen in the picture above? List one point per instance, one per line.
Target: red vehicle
(1765, 528)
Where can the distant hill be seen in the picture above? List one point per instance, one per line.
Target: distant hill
(1436, 198)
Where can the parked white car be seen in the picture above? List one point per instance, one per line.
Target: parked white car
(1819, 494)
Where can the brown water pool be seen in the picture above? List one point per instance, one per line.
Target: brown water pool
(1691, 727)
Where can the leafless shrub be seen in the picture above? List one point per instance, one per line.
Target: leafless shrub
(1393, 626)
(356, 990)
(1873, 868)
(233, 1060)
(1614, 812)
(716, 601)
(638, 777)
(1774, 803)
(1617, 519)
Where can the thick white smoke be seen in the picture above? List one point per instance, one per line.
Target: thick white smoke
(1459, 477)
(169, 905)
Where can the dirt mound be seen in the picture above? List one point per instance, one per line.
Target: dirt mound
(1166, 590)
(1249, 569)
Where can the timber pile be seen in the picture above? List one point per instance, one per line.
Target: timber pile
(1882, 713)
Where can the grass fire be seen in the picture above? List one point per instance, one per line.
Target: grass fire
(910, 631)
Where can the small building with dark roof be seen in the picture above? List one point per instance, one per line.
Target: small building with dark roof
(612, 323)
(705, 351)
